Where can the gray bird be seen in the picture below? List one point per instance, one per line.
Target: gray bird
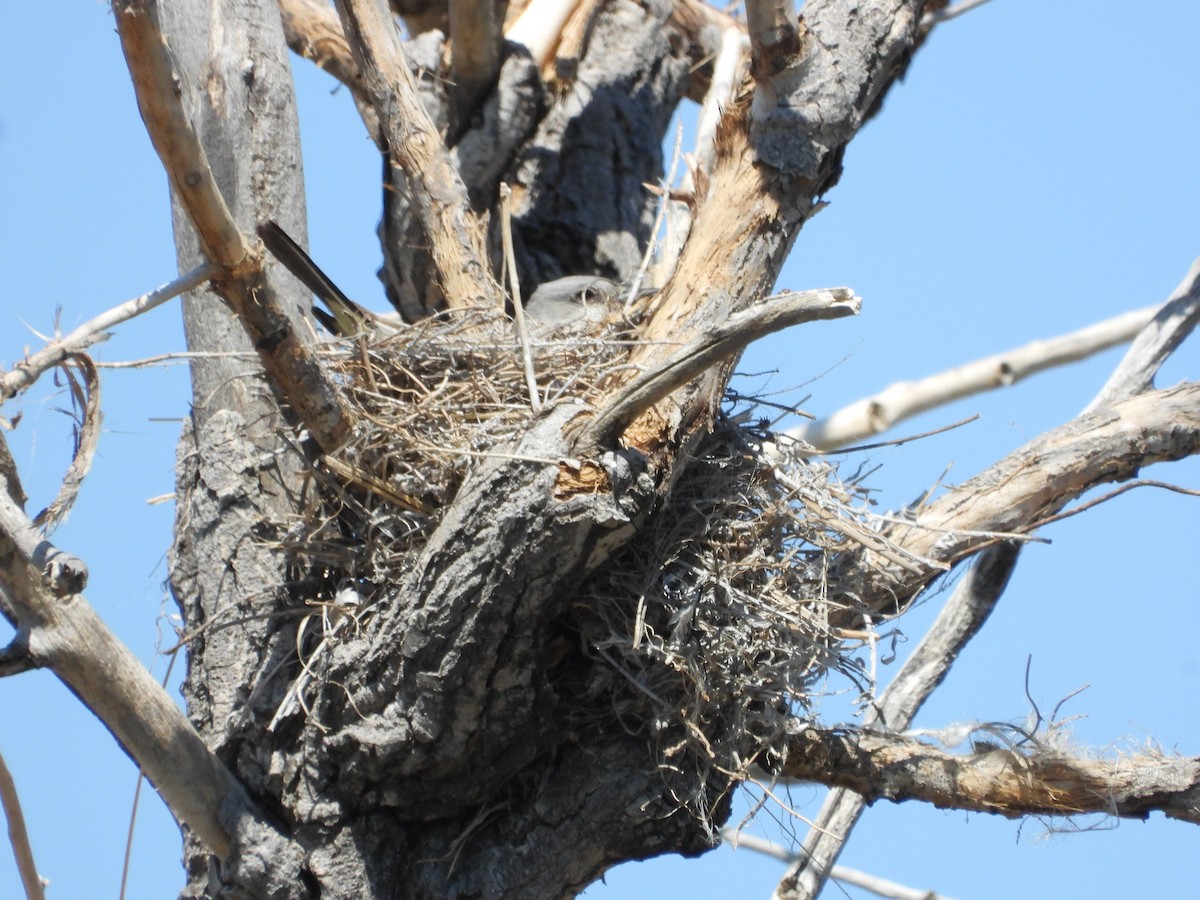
(575, 298)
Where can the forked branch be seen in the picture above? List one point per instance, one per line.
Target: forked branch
(1041, 478)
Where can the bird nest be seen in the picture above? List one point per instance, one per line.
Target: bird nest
(713, 630)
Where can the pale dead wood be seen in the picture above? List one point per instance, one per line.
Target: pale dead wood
(160, 84)
(774, 38)
(711, 347)
(905, 399)
(63, 633)
(26, 372)
(703, 27)
(959, 621)
(18, 836)
(1007, 781)
(768, 173)
(539, 26)
(727, 74)
(161, 91)
(1169, 327)
(475, 41)
(439, 196)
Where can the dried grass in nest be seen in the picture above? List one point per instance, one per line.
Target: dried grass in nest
(719, 626)
(429, 402)
(716, 626)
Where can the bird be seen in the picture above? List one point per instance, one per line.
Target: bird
(571, 299)
(345, 318)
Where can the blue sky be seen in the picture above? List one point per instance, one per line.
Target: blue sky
(1034, 173)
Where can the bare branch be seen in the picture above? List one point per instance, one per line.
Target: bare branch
(1040, 479)
(439, 196)
(1000, 780)
(904, 399)
(716, 344)
(960, 620)
(19, 836)
(244, 286)
(159, 83)
(1157, 341)
(25, 373)
(65, 634)
(881, 887)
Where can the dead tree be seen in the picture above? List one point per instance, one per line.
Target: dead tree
(480, 601)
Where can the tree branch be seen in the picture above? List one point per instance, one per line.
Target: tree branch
(314, 31)
(774, 39)
(960, 620)
(475, 42)
(1035, 482)
(905, 399)
(161, 93)
(1156, 342)
(439, 197)
(26, 372)
(1000, 780)
(710, 348)
(65, 634)
(881, 887)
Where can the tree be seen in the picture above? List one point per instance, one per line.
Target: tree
(233, 745)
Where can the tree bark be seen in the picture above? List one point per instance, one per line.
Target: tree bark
(530, 693)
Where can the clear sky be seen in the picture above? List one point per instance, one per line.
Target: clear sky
(1034, 173)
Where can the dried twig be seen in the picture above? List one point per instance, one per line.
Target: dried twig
(510, 264)
(18, 836)
(26, 372)
(712, 346)
(905, 399)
